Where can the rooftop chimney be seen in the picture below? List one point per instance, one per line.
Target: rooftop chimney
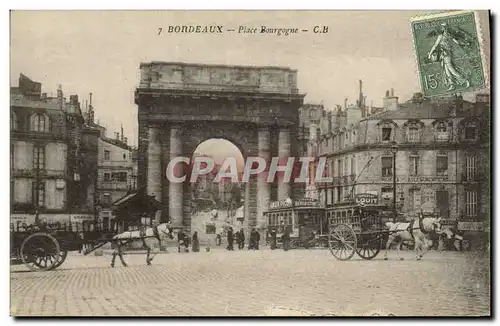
(125, 140)
(90, 104)
(117, 135)
(60, 99)
(390, 101)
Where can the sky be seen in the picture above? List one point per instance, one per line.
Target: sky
(100, 52)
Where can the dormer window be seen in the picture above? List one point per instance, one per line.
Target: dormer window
(469, 129)
(386, 133)
(413, 130)
(470, 132)
(413, 134)
(39, 122)
(442, 133)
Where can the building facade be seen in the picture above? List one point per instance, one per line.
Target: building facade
(50, 180)
(442, 158)
(116, 168)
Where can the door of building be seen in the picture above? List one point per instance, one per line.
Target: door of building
(443, 203)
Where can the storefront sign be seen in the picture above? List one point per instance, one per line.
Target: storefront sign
(78, 218)
(297, 203)
(280, 204)
(54, 218)
(306, 202)
(366, 199)
(470, 226)
(22, 218)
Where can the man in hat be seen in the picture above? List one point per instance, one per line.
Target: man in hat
(230, 239)
(273, 239)
(241, 241)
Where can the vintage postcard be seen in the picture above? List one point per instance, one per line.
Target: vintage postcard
(250, 163)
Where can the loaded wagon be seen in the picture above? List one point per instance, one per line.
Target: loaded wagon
(355, 228)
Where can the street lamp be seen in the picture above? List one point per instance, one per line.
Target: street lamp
(394, 150)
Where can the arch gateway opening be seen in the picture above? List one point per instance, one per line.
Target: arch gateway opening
(180, 105)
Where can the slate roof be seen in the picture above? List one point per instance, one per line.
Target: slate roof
(427, 110)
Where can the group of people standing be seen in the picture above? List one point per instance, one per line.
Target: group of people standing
(183, 240)
(285, 238)
(239, 236)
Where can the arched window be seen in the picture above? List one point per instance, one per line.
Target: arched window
(413, 130)
(443, 131)
(387, 131)
(469, 129)
(39, 122)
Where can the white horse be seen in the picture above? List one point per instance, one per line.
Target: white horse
(415, 230)
(147, 238)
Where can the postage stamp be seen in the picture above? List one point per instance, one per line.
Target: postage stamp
(449, 52)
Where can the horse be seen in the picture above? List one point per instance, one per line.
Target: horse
(411, 232)
(146, 238)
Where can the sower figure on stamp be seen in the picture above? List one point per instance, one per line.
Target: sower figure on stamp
(442, 50)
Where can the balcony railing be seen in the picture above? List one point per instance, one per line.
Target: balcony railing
(472, 177)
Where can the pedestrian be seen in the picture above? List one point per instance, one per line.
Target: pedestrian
(236, 237)
(241, 244)
(218, 239)
(286, 239)
(273, 239)
(181, 241)
(230, 239)
(196, 244)
(254, 239)
(257, 239)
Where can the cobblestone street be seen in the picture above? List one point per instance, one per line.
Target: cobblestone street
(256, 283)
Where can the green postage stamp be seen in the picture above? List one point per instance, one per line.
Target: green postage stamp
(449, 53)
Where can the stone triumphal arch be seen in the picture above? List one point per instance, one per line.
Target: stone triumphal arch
(181, 105)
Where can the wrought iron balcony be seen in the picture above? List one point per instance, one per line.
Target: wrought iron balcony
(473, 177)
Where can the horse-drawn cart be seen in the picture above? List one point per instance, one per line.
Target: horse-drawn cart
(364, 230)
(356, 228)
(45, 246)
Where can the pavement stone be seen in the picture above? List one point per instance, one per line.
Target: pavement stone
(256, 283)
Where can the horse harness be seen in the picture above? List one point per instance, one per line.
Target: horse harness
(156, 234)
(420, 226)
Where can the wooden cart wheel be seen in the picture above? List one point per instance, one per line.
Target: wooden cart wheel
(370, 245)
(60, 258)
(40, 251)
(294, 244)
(342, 241)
